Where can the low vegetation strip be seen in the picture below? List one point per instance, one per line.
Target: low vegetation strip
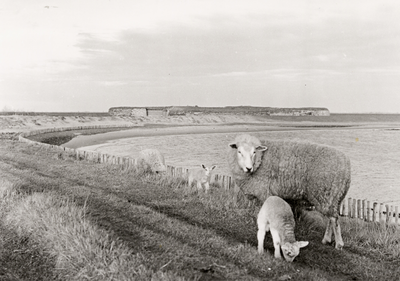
(165, 230)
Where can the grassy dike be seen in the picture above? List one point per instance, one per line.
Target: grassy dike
(63, 219)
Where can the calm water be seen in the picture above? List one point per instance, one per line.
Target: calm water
(374, 154)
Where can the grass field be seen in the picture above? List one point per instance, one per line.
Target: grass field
(63, 219)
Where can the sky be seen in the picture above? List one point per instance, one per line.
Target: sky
(90, 55)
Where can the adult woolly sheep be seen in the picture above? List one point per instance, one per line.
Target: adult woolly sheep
(151, 160)
(301, 171)
(201, 176)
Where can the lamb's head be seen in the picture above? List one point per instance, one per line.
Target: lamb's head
(249, 152)
(292, 250)
(207, 170)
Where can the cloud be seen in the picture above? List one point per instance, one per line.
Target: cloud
(197, 47)
(230, 74)
(112, 83)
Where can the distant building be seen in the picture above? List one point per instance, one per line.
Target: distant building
(138, 111)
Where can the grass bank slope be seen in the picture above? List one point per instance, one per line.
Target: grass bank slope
(92, 221)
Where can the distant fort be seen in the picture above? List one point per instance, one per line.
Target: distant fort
(237, 110)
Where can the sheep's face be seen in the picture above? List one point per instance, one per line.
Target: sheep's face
(159, 168)
(292, 250)
(207, 170)
(246, 155)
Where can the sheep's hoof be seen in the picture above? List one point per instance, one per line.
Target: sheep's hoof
(326, 241)
(339, 246)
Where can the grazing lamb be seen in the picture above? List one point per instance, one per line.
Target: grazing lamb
(297, 171)
(276, 216)
(151, 160)
(201, 176)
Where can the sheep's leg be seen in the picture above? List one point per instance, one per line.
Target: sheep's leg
(338, 235)
(198, 185)
(277, 243)
(328, 233)
(207, 186)
(260, 237)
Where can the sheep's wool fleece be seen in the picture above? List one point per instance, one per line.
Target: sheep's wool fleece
(198, 174)
(152, 159)
(295, 170)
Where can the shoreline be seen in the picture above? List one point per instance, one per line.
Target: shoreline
(94, 140)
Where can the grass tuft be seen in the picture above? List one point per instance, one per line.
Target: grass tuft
(375, 236)
(82, 250)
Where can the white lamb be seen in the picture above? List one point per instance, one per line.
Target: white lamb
(151, 160)
(201, 176)
(276, 216)
(297, 171)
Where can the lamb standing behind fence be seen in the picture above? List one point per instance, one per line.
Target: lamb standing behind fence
(201, 176)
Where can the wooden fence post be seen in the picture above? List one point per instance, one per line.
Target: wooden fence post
(388, 214)
(374, 211)
(359, 213)
(380, 212)
(369, 211)
(229, 183)
(396, 213)
(350, 207)
(344, 208)
(363, 209)
(391, 214)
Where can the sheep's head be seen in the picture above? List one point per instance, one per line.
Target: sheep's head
(292, 250)
(207, 170)
(159, 168)
(248, 150)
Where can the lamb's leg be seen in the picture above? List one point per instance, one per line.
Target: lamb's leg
(328, 233)
(198, 185)
(338, 235)
(260, 237)
(277, 243)
(207, 187)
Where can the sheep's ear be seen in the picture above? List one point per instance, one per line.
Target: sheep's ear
(233, 145)
(204, 167)
(261, 148)
(213, 167)
(301, 244)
